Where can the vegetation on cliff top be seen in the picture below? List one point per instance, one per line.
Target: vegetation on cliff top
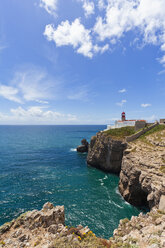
(156, 129)
(120, 133)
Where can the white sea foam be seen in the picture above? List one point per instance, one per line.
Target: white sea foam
(73, 149)
(117, 205)
(125, 202)
(105, 177)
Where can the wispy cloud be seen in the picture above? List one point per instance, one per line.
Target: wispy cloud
(9, 93)
(121, 103)
(145, 105)
(49, 5)
(81, 93)
(161, 72)
(42, 102)
(122, 91)
(36, 115)
(31, 84)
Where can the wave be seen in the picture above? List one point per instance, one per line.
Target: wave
(117, 205)
(73, 149)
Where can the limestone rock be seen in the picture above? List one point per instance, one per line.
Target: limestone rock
(105, 153)
(162, 203)
(142, 181)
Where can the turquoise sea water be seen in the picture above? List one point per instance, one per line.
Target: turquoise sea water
(40, 164)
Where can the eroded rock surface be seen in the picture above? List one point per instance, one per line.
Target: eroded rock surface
(144, 231)
(142, 177)
(105, 153)
(46, 229)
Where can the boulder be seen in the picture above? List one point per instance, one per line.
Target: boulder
(84, 147)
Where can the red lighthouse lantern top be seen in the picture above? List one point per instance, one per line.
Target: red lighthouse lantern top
(123, 116)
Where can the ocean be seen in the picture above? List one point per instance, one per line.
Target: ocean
(40, 164)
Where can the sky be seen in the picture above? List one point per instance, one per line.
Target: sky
(81, 61)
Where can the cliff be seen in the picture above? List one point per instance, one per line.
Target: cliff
(142, 178)
(141, 163)
(46, 229)
(106, 153)
(143, 231)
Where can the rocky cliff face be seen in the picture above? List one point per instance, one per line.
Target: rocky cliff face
(105, 153)
(143, 231)
(46, 229)
(142, 178)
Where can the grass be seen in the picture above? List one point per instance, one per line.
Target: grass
(156, 129)
(120, 133)
(87, 242)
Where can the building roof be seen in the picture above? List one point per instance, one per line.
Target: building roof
(130, 120)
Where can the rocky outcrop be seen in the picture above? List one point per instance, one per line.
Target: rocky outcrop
(84, 147)
(143, 231)
(142, 178)
(46, 229)
(106, 153)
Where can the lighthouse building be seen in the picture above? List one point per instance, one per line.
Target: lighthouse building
(124, 123)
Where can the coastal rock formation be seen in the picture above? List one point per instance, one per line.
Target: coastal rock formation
(46, 229)
(143, 231)
(84, 147)
(106, 153)
(142, 178)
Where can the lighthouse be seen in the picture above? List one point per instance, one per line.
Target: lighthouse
(123, 116)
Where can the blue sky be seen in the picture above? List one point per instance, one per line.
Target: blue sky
(81, 61)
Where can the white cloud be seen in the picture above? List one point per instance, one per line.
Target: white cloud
(121, 103)
(31, 85)
(124, 15)
(42, 102)
(122, 91)
(80, 94)
(101, 49)
(36, 115)
(73, 34)
(143, 17)
(88, 7)
(101, 4)
(145, 105)
(9, 93)
(49, 5)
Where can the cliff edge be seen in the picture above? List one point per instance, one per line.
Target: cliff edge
(106, 153)
(46, 229)
(142, 176)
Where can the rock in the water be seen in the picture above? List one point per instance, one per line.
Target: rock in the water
(84, 147)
